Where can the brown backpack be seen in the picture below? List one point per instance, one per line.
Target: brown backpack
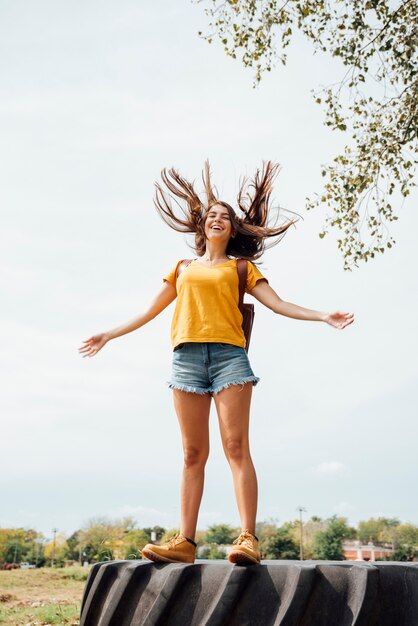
(247, 309)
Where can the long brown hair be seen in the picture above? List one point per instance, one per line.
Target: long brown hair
(252, 229)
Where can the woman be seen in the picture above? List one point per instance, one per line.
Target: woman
(209, 357)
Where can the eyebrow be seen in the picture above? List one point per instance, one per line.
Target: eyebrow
(222, 215)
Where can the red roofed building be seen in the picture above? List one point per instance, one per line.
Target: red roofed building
(356, 551)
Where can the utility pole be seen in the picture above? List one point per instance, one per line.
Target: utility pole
(301, 509)
(54, 530)
(38, 549)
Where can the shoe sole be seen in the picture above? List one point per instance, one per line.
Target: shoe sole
(239, 558)
(152, 556)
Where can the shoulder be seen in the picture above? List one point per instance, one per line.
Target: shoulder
(253, 267)
(254, 275)
(182, 264)
(175, 270)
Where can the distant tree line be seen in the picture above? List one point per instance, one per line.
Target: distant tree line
(102, 539)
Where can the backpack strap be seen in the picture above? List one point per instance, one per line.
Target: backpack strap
(242, 269)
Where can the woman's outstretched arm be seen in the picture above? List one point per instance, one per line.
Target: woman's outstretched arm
(267, 296)
(160, 302)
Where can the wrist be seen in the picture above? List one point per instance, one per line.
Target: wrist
(323, 317)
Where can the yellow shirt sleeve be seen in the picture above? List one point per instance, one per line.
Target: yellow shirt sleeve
(171, 277)
(253, 276)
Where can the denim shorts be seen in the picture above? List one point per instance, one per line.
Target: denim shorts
(209, 367)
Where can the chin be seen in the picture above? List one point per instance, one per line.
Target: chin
(214, 235)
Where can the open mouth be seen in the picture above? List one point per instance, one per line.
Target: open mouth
(215, 228)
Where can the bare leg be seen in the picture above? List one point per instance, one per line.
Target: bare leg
(233, 408)
(193, 414)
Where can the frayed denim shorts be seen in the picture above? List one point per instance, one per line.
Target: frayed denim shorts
(209, 367)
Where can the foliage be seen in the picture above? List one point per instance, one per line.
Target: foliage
(200, 537)
(375, 103)
(405, 542)
(280, 545)
(212, 552)
(168, 534)
(328, 544)
(58, 552)
(310, 529)
(104, 540)
(134, 541)
(379, 529)
(221, 534)
(21, 544)
(159, 531)
(406, 534)
(72, 551)
(264, 530)
(403, 553)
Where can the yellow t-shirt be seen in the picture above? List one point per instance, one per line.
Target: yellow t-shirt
(207, 302)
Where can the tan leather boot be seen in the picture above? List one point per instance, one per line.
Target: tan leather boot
(179, 549)
(246, 550)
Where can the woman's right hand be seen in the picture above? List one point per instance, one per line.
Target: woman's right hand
(93, 344)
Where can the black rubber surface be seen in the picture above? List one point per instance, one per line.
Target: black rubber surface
(218, 593)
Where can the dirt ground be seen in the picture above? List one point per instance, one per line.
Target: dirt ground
(37, 597)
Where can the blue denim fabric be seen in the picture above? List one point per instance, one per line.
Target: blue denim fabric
(209, 367)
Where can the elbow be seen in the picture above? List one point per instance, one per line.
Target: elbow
(279, 307)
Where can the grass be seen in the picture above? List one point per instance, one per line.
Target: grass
(37, 597)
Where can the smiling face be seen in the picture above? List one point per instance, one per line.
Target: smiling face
(218, 225)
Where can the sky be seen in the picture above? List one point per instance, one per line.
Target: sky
(95, 99)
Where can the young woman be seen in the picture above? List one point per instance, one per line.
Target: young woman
(209, 357)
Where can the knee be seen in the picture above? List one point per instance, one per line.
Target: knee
(194, 457)
(236, 450)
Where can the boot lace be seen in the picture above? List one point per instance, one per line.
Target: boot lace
(245, 538)
(174, 541)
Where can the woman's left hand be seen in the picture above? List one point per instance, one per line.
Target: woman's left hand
(338, 319)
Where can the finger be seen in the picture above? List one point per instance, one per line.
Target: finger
(86, 352)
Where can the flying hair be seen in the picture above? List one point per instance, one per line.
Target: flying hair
(253, 227)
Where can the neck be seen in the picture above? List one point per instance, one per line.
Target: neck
(214, 252)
